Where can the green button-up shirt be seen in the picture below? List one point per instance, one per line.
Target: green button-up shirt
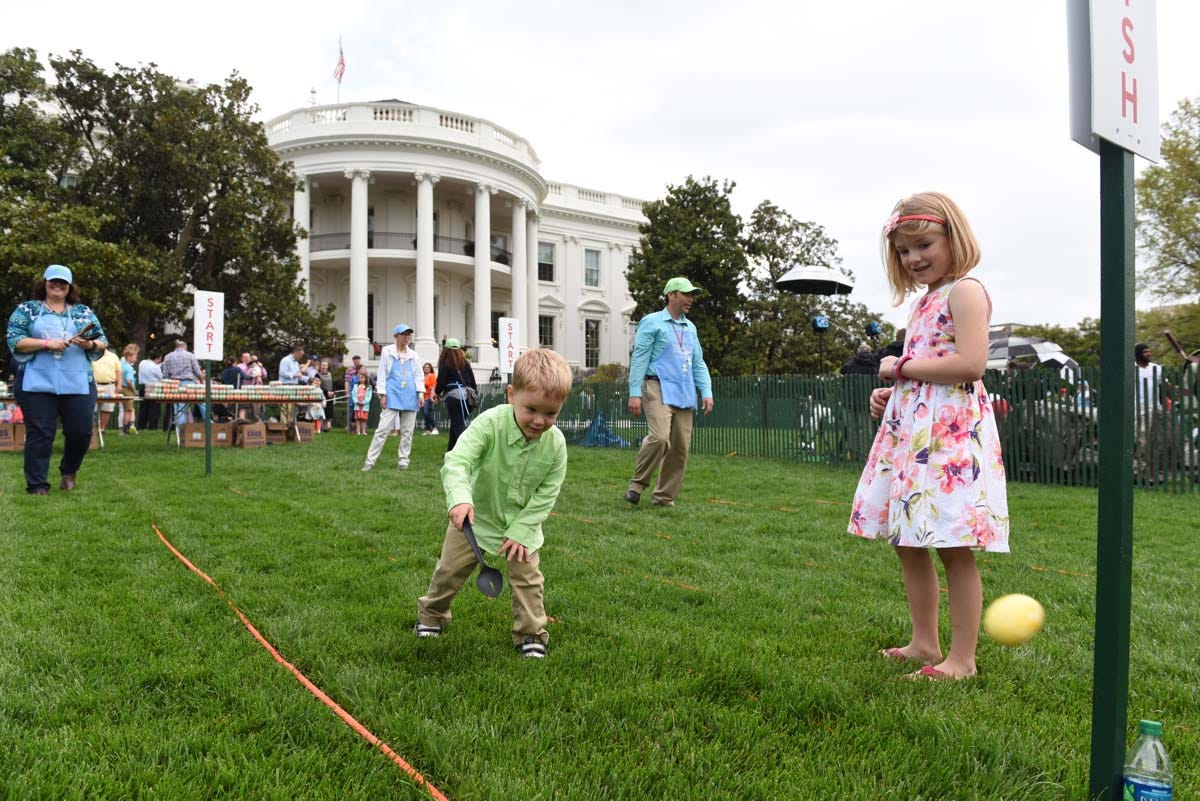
(513, 484)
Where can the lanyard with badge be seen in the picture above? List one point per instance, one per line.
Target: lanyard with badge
(680, 333)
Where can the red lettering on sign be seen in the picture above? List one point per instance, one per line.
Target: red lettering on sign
(1129, 98)
(1126, 30)
(212, 302)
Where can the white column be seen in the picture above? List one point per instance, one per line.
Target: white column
(356, 335)
(530, 328)
(300, 213)
(486, 354)
(519, 272)
(424, 341)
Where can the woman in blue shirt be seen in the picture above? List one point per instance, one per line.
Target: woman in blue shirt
(55, 338)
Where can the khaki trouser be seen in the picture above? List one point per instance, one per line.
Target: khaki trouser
(665, 448)
(525, 584)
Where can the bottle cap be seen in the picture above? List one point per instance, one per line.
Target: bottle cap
(1150, 727)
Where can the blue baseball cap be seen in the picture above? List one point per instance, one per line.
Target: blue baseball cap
(403, 328)
(58, 271)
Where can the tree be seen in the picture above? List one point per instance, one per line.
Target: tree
(778, 335)
(150, 187)
(694, 232)
(1168, 197)
(1182, 320)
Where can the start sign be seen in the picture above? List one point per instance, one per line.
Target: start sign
(208, 341)
(1113, 51)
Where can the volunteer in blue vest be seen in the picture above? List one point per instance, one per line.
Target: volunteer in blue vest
(400, 386)
(55, 338)
(665, 373)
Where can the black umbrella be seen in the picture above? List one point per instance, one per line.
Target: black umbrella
(1006, 346)
(815, 279)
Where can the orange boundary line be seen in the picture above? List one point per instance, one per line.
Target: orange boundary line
(346, 717)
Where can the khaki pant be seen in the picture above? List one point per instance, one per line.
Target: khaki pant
(665, 448)
(525, 584)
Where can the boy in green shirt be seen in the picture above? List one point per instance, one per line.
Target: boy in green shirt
(504, 475)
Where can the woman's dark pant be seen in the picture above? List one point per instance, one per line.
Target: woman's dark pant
(147, 413)
(427, 412)
(458, 421)
(42, 411)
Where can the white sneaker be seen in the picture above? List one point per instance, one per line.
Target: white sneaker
(366, 468)
(433, 433)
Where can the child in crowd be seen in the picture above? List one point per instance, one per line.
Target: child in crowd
(503, 476)
(360, 403)
(934, 477)
(316, 411)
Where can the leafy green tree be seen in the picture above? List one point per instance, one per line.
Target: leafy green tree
(694, 232)
(778, 334)
(1168, 198)
(149, 187)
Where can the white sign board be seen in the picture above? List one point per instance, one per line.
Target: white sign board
(510, 335)
(1113, 53)
(208, 340)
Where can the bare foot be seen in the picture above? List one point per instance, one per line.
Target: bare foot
(910, 653)
(944, 671)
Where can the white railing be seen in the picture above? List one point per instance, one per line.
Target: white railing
(322, 116)
(456, 123)
(501, 136)
(592, 197)
(633, 205)
(280, 125)
(554, 189)
(391, 114)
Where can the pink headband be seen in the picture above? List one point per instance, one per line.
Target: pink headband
(896, 219)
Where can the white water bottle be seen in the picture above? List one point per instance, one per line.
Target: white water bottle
(1148, 774)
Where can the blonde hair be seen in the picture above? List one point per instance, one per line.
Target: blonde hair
(130, 349)
(964, 248)
(542, 370)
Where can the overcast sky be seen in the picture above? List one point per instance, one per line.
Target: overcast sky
(832, 110)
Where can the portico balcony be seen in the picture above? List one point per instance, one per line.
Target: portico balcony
(390, 240)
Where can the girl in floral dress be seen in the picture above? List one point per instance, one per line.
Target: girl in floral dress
(934, 477)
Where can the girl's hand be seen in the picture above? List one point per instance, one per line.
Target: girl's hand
(887, 369)
(879, 400)
(516, 551)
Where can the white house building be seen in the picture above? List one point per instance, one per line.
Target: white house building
(443, 221)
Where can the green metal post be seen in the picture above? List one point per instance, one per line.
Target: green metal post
(207, 418)
(1114, 543)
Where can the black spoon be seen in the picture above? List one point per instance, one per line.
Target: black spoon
(489, 581)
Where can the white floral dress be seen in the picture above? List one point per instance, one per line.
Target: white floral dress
(934, 478)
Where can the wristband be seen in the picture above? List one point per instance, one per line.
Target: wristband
(45, 344)
(899, 364)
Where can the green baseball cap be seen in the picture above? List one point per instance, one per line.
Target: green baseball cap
(680, 284)
(452, 343)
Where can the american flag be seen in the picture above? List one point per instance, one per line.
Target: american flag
(340, 69)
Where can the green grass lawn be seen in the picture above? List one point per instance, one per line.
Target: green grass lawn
(724, 649)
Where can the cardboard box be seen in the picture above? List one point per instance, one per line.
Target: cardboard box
(222, 435)
(252, 435)
(276, 433)
(192, 435)
(299, 433)
(12, 436)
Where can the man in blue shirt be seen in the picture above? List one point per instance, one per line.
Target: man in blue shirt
(289, 373)
(665, 373)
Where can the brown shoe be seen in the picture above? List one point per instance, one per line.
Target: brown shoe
(68, 482)
(40, 491)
